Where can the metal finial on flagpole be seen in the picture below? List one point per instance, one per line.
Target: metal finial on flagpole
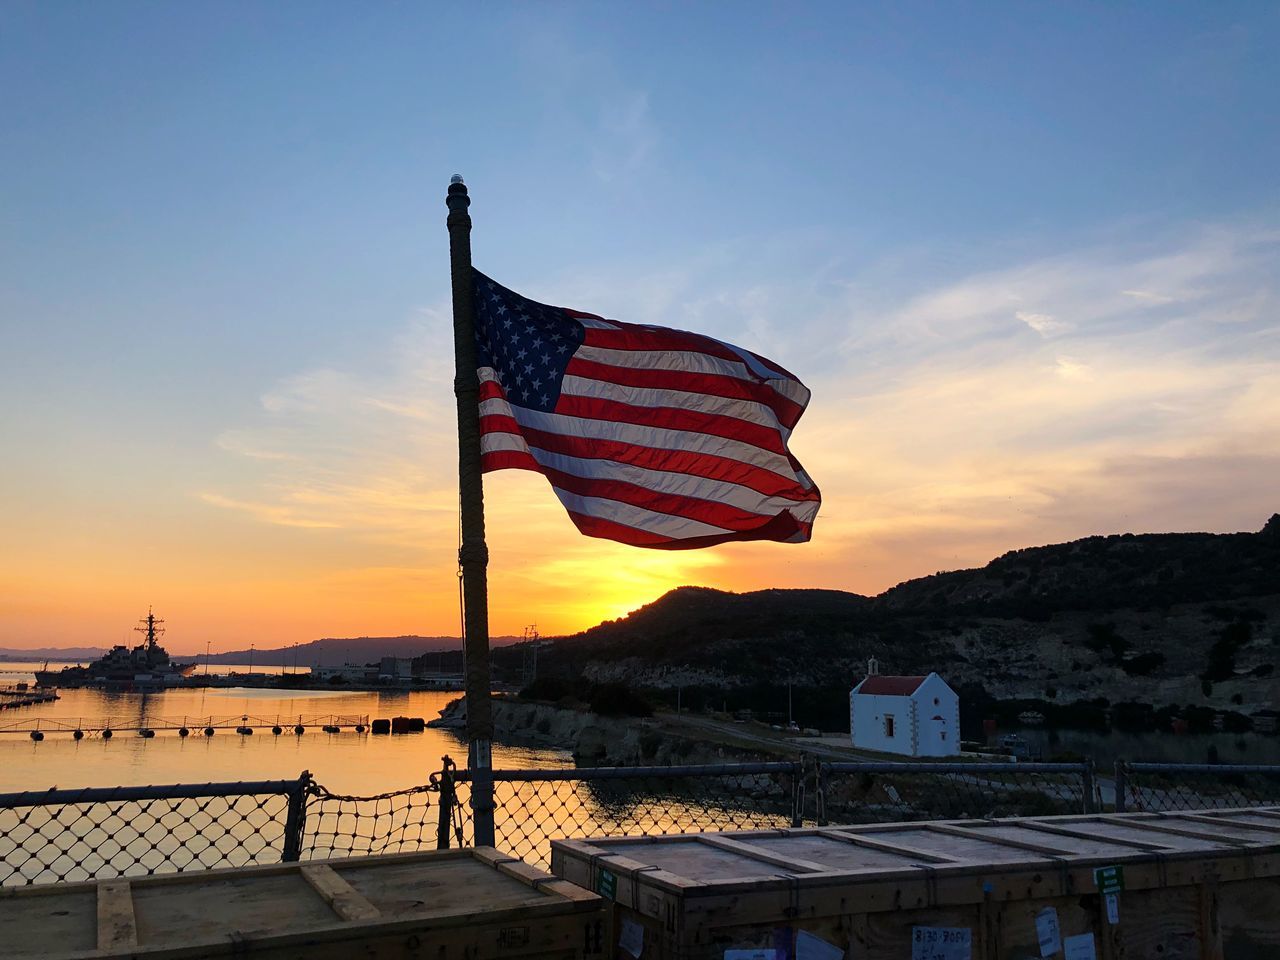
(473, 555)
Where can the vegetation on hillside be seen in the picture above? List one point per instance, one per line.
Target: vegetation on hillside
(1168, 618)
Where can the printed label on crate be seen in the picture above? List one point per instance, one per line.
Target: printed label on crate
(1113, 908)
(1047, 932)
(941, 943)
(607, 885)
(809, 947)
(751, 954)
(631, 937)
(1079, 947)
(510, 938)
(1109, 879)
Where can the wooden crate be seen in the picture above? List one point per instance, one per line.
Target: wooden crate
(475, 904)
(1202, 886)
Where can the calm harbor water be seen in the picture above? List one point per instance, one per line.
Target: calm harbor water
(346, 762)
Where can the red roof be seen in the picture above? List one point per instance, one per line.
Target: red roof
(891, 686)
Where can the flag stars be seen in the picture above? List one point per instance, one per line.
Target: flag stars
(526, 344)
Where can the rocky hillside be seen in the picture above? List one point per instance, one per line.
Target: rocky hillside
(1167, 619)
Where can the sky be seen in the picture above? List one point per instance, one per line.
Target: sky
(1026, 257)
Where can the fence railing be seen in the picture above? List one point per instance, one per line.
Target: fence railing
(533, 807)
(60, 835)
(1194, 786)
(83, 834)
(882, 792)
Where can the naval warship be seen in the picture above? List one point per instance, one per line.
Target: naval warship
(145, 667)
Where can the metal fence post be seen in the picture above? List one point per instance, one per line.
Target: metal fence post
(820, 795)
(797, 790)
(1088, 784)
(1122, 785)
(295, 821)
(448, 796)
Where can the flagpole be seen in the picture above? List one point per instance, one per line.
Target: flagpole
(473, 555)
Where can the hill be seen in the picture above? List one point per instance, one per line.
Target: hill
(1165, 619)
(330, 651)
(56, 654)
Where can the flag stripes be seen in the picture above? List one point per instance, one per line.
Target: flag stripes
(651, 437)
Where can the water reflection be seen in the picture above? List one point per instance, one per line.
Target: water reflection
(346, 762)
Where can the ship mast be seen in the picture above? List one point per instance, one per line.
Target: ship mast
(152, 628)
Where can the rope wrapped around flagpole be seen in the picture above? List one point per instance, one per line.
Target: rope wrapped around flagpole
(473, 554)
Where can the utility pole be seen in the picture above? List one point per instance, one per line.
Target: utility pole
(473, 553)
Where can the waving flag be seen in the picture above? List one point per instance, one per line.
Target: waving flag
(649, 436)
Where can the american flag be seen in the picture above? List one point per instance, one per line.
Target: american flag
(649, 436)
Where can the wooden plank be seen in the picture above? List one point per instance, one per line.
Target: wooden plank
(1055, 830)
(491, 857)
(345, 900)
(117, 928)
(928, 856)
(1231, 821)
(1161, 923)
(1210, 928)
(1155, 826)
(1249, 915)
(524, 872)
(985, 836)
(756, 853)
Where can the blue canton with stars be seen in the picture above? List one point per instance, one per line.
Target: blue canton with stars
(529, 344)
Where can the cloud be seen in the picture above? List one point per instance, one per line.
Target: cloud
(273, 513)
(1026, 402)
(1148, 296)
(1187, 284)
(625, 137)
(1042, 323)
(584, 100)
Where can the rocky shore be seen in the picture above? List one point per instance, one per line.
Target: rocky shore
(594, 740)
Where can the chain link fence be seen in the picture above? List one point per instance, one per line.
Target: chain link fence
(94, 833)
(533, 807)
(887, 792)
(127, 831)
(1156, 787)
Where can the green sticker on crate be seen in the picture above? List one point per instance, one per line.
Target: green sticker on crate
(1109, 879)
(607, 885)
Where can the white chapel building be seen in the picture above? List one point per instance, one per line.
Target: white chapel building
(912, 716)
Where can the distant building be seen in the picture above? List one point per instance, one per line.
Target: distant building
(395, 670)
(347, 673)
(911, 716)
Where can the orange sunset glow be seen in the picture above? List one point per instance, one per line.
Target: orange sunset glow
(226, 361)
(333, 512)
